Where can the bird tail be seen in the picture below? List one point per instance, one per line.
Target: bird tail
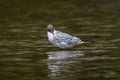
(81, 42)
(88, 40)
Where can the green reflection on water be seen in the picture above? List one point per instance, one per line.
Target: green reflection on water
(24, 45)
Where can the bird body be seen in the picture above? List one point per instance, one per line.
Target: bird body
(60, 39)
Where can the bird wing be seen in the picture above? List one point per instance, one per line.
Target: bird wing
(64, 37)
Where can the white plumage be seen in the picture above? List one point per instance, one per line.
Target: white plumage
(60, 39)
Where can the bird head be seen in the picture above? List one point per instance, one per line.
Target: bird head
(50, 28)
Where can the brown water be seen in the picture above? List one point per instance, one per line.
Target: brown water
(26, 54)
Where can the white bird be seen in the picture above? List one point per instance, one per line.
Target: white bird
(60, 39)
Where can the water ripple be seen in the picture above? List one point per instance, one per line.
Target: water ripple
(64, 54)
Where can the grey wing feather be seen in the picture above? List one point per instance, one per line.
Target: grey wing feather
(67, 38)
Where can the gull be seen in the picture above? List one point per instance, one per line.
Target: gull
(60, 39)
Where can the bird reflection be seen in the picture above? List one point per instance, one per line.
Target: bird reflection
(63, 54)
(60, 60)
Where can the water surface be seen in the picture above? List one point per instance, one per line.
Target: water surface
(26, 54)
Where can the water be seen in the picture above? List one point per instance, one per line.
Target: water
(26, 54)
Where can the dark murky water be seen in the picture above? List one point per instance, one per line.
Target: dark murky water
(26, 54)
